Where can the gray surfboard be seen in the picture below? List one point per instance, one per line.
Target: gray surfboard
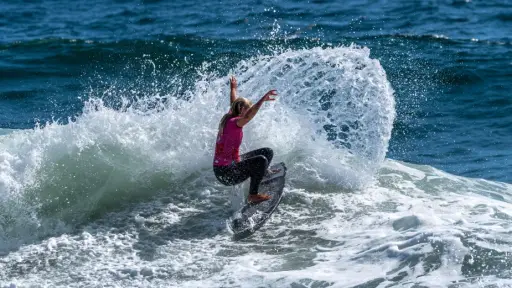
(251, 217)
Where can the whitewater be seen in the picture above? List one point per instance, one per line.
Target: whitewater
(126, 196)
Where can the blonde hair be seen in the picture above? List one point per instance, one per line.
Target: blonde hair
(236, 110)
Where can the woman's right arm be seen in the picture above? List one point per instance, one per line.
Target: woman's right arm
(232, 94)
(249, 114)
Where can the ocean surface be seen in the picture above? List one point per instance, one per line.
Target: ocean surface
(393, 117)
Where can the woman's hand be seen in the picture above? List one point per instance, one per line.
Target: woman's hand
(233, 83)
(270, 96)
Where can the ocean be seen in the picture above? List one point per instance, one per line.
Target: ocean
(394, 119)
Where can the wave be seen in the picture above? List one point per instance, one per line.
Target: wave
(438, 38)
(61, 57)
(183, 43)
(334, 118)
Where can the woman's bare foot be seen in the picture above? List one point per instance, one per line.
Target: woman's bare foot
(258, 198)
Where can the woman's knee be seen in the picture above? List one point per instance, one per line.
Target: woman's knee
(264, 159)
(259, 162)
(268, 153)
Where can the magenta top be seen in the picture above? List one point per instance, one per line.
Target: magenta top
(227, 148)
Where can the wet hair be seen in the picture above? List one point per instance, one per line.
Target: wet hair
(236, 110)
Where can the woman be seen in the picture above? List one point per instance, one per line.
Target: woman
(229, 167)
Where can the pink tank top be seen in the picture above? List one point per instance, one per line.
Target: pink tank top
(227, 148)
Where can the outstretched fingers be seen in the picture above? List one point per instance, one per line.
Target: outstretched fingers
(268, 96)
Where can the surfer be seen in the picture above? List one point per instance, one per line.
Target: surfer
(229, 166)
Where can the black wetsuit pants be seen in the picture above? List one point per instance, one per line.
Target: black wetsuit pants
(252, 164)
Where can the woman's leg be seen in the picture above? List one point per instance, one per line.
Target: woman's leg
(267, 152)
(255, 167)
(229, 175)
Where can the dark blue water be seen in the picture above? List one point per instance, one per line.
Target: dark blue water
(449, 62)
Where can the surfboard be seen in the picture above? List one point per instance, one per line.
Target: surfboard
(252, 217)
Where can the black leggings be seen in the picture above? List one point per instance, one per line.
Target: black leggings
(252, 164)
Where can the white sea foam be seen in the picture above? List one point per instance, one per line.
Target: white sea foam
(348, 216)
